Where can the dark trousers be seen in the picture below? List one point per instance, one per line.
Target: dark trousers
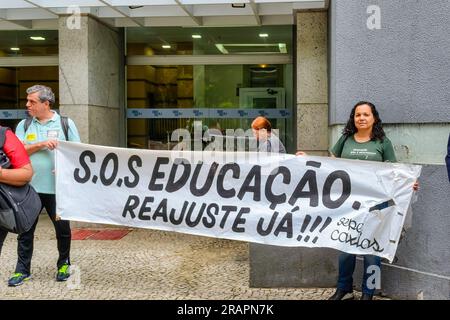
(63, 237)
(347, 263)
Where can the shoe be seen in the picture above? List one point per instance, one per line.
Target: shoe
(366, 296)
(63, 273)
(18, 278)
(342, 295)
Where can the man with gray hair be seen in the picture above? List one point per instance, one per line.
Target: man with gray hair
(40, 133)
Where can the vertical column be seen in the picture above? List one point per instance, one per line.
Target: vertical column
(312, 82)
(91, 80)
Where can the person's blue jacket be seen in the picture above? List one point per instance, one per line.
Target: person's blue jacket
(447, 158)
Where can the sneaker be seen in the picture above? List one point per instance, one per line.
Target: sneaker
(63, 273)
(18, 278)
(342, 295)
(366, 296)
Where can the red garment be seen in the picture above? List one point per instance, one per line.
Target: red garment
(15, 151)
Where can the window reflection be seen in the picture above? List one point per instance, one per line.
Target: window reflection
(209, 41)
(28, 43)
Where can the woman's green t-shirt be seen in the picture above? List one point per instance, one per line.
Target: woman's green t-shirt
(373, 150)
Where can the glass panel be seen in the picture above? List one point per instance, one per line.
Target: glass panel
(264, 103)
(14, 83)
(216, 41)
(210, 87)
(228, 94)
(29, 43)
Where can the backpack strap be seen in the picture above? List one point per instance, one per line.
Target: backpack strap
(65, 126)
(27, 123)
(3, 136)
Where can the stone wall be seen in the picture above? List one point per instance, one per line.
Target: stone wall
(90, 79)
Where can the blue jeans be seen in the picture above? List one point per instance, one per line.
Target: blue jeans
(347, 267)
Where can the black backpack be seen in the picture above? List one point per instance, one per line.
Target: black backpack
(19, 206)
(64, 125)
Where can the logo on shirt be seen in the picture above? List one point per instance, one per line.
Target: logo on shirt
(30, 137)
(362, 153)
(52, 134)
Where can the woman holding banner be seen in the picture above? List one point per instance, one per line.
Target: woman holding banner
(363, 138)
(267, 141)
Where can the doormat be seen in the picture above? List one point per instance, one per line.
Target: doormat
(89, 234)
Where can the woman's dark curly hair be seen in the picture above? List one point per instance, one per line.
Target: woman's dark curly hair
(377, 130)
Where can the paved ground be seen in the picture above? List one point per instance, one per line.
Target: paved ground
(145, 264)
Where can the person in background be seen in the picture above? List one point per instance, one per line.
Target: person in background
(363, 138)
(267, 141)
(40, 137)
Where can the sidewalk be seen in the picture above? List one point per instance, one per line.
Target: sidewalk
(145, 264)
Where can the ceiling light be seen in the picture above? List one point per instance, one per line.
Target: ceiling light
(196, 36)
(221, 48)
(263, 35)
(251, 48)
(166, 46)
(37, 38)
(15, 49)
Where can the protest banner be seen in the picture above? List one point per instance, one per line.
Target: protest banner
(279, 199)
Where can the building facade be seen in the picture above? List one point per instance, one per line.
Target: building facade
(131, 72)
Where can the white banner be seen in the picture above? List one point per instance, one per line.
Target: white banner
(353, 206)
